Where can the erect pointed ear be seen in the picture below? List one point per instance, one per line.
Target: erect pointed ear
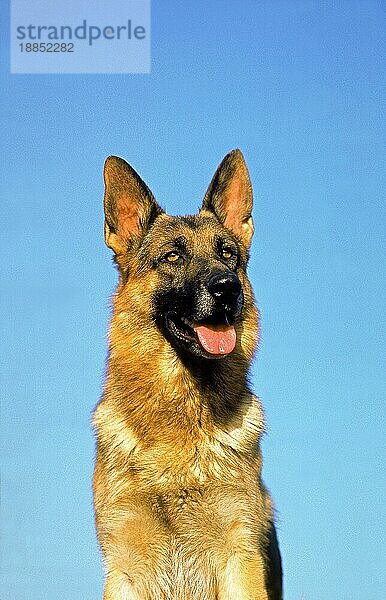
(130, 207)
(229, 196)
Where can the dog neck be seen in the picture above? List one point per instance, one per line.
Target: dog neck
(147, 375)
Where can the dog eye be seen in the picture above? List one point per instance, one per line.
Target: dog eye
(172, 257)
(227, 253)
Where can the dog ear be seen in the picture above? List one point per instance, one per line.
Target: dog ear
(229, 196)
(130, 207)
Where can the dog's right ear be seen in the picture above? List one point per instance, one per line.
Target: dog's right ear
(130, 207)
(229, 196)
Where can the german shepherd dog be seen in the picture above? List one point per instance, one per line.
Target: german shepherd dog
(181, 510)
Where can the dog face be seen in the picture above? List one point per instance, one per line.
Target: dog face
(190, 272)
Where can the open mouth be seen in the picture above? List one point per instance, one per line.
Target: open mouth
(216, 339)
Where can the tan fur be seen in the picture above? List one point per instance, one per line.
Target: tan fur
(181, 511)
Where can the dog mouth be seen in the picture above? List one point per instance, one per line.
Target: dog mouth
(215, 338)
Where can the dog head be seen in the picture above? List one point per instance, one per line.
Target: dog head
(186, 276)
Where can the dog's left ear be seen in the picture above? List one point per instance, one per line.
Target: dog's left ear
(229, 196)
(130, 207)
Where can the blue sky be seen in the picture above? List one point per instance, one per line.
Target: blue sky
(297, 86)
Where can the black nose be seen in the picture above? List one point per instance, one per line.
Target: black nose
(225, 288)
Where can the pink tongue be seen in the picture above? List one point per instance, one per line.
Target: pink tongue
(219, 339)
